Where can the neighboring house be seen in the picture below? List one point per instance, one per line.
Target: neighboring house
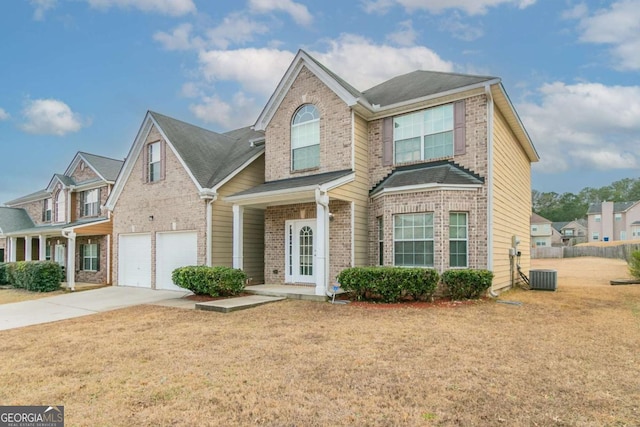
(427, 169)
(543, 234)
(167, 204)
(572, 232)
(608, 221)
(67, 222)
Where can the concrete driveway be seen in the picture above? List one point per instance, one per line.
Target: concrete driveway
(78, 304)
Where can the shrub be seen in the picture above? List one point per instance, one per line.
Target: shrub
(634, 264)
(36, 276)
(4, 270)
(213, 281)
(467, 283)
(389, 284)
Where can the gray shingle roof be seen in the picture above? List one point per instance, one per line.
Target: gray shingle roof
(293, 183)
(210, 156)
(107, 167)
(445, 173)
(559, 225)
(66, 180)
(38, 195)
(618, 207)
(12, 219)
(419, 84)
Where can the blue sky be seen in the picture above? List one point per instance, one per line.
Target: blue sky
(79, 75)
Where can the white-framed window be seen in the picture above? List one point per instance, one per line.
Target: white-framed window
(46, 210)
(89, 253)
(534, 228)
(91, 203)
(413, 240)
(61, 206)
(597, 218)
(541, 243)
(153, 162)
(424, 135)
(617, 217)
(458, 240)
(305, 138)
(47, 252)
(595, 236)
(568, 232)
(380, 240)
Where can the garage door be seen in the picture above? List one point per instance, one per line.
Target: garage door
(174, 250)
(134, 260)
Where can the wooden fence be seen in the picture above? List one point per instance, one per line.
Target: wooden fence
(617, 252)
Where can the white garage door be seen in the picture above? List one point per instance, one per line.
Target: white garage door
(173, 250)
(134, 260)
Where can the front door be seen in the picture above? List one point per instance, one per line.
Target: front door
(300, 244)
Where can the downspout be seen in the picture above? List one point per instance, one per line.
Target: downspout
(322, 199)
(487, 91)
(209, 197)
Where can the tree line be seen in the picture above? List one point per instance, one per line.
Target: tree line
(569, 206)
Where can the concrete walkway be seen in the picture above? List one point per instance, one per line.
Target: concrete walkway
(78, 304)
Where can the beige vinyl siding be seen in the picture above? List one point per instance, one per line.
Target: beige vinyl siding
(222, 232)
(511, 200)
(358, 192)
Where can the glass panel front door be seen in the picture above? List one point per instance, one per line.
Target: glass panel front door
(300, 240)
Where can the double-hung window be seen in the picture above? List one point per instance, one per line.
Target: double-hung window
(413, 240)
(61, 206)
(458, 239)
(153, 162)
(46, 211)
(90, 257)
(305, 138)
(90, 204)
(424, 135)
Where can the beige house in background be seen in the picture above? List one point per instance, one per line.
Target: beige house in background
(66, 222)
(609, 221)
(543, 234)
(167, 204)
(427, 169)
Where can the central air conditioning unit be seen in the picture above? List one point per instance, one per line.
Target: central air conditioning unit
(543, 280)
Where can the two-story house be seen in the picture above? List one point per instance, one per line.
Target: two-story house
(427, 169)
(167, 204)
(543, 234)
(572, 232)
(66, 222)
(609, 221)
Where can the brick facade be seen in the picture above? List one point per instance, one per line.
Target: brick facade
(335, 129)
(99, 276)
(173, 202)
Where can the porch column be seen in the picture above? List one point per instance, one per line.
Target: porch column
(322, 242)
(13, 249)
(71, 261)
(238, 233)
(27, 248)
(43, 248)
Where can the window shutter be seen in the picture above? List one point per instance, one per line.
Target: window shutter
(98, 210)
(81, 257)
(162, 158)
(459, 135)
(83, 195)
(145, 162)
(44, 210)
(387, 141)
(98, 257)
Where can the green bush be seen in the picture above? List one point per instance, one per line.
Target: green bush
(634, 264)
(213, 281)
(467, 283)
(35, 276)
(4, 276)
(389, 284)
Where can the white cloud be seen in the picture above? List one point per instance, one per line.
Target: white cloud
(460, 30)
(41, 6)
(165, 7)
(617, 27)
(470, 7)
(241, 111)
(235, 28)
(585, 125)
(50, 117)
(179, 39)
(405, 36)
(4, 115)
(298, 12)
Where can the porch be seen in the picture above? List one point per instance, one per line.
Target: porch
(287, 291)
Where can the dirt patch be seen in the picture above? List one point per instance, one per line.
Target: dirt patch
(564, 358)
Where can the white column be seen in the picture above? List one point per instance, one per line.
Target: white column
(71, 261)
(209, 246)
(321, 265)
(27, 248)
(43, 248)
(238, 235)
(13, 249)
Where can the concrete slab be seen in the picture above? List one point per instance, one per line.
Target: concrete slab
(76, 304)
(234, 304)
(287, 291)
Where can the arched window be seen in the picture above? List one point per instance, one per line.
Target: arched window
(305, 138)
(61, 206)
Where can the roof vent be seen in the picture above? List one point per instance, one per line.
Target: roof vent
(543, 280)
